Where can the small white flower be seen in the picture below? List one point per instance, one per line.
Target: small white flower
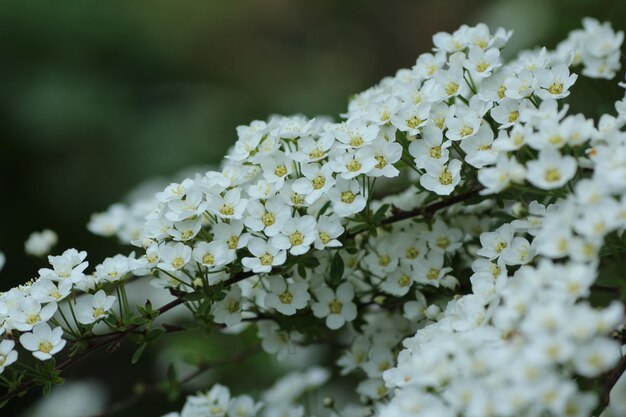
(174, 256)
(213, 254)
(441, 178)
(91, 308)
(7, 354)
(228, 310)
(285, 297)
(346, 197)
(551, 170)
(43, 341)
(336, 306)
(265, 256)
(40, 243)
(296, 235)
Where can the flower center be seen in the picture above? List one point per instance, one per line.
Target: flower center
(347, 197)
(432, 274)
(552, 175)
(33, 319)
(356, 141)
(324, 237)
(208, 259)
(98, 312)
(384, 260)
(178, 262)
(414, 122)
(296, 238)
(285, 297)
(381, 162)
(466, 131)
(452, 88)
(280, 171)
(227, 210)
(443, 242)
(267, 259)
(335, 306)
(513, 116)
(435, 152)
(354, 166)
(316, 154)
(556, 88)
(404, 280)
(319, 182)
(233, 242)
(446, 177)
(482, 67)
(412, 253)
(268, 219)
(45, 347)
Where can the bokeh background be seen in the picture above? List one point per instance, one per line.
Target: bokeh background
(98, 97)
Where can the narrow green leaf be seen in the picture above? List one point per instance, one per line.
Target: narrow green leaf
(138, 353)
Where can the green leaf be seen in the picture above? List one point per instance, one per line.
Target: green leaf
(194, 296)
(381, 213)
(172, 375)
(138, 353)
(47, 387)
(336, 268)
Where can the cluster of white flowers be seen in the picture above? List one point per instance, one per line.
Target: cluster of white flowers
(40, 243)
(498, 297)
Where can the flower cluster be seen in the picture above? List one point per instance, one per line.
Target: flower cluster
(480, 309)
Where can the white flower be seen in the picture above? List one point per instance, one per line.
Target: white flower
(316, 182)
(231, 234)
(493, 243)
(286, 297)
(328, 230)
(228, 310)
(399, 282)
(228, 206)
(68, 266)
(265, 256)
(91, 308)
(555, 82)
(410, 118)
(113, 269)
(214, 403)
(506, 171)
(296, 235)
(551, 170)
(43, 341)
(431, 146)
(277, 341)
(40, 243)
(441, 179)
(269, 217)
(213, 254)
(28, 313)
(350, 164)
(346, 197)
(336, 306)
(481, 63)
(174, 256)
(386, 154)
(244, 406)
(7, 354)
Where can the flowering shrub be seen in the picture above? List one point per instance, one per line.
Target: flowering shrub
(456, 227)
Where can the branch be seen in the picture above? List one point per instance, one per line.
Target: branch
(117, 337)
(611, 379)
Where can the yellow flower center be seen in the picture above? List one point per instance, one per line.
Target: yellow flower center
(356, 141)
(45, 347)
(233, 306)
(335, 306)
(384, 260)
(466, 131)
(178, 262)
(33, 319)
(552, 175)
(316, 154)
(280, 171)
(432, 274)
(446, 177)
(484, 147)
(324, 237)
(513, 116)
(98, 312)
(412, 253)
(268, 219)
(435, 152)
(556, 88)
(227, 210)
(381, 162)
(347, 197)
(414, 122)
(296, 239)
(208, 259)
(297, 199)
(267, 259)
(501, 246)
(482, 67)
(404, 281)
(501, 91)
(452, 88)
(443, 242)
(354, 166)
(319, 182)
(285, 297)
(233, 242)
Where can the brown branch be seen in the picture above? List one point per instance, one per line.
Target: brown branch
(611, 379)
(117, 337)
(155, 387)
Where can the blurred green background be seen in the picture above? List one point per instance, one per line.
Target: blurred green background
(97, 97)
